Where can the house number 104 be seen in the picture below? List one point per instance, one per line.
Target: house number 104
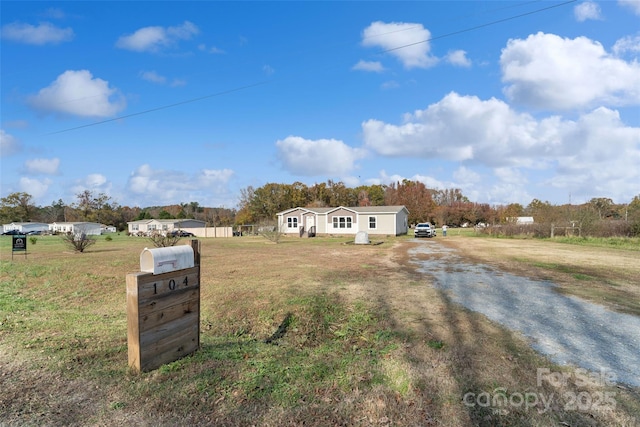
(172, 285)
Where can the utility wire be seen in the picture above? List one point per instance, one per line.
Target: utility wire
(237, 89)
(478, 26)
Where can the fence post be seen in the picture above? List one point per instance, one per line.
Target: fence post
(552, 230)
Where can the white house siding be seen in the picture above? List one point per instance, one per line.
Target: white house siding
(89, 228)
(390, 220)
(146, 226)
(346, 221)
(25, 227)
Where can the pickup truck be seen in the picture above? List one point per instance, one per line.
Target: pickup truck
(424, 229)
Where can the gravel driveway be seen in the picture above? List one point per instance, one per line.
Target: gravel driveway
(567, 329)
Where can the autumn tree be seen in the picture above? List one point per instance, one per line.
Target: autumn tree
(17, 207)
(414, 196)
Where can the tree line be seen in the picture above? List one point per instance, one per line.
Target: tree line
(439, 206)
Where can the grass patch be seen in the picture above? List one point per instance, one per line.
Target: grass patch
(309, 331)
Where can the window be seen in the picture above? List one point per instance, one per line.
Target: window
(372, 222)
(342, 221)
(292, 222)
(134, 227)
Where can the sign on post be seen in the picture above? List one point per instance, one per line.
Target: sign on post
(163, 306)
(19, 244)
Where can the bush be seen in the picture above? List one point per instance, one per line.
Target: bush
(78, 241)
(160, 240)
(33, 240)
(108, 238)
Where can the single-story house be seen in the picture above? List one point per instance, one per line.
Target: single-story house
(25, 227)
(89, 228)
(147, 226)
(381, 220)
(520, 220)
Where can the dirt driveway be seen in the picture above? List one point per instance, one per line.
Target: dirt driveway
(568, 329)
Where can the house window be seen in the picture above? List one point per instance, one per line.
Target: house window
(292, 222)
(342, 221)
(134, 227)
(372, 222)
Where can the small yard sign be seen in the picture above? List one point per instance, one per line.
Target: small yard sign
(163, 312)
(19, 244)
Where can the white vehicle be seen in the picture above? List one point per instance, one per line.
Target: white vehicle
(424, 229)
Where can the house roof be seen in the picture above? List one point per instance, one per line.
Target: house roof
(164, 221)
(356, 209)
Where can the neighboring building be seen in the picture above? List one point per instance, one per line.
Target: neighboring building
(520, 220)
(144, 227)
(381, 220)
(89, 228)
(108, 229)
(25, 227)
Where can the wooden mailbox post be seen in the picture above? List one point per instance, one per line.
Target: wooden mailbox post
(163, 309)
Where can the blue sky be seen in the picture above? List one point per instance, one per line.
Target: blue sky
(157, 103)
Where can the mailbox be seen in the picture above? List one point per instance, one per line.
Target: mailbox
(163, 260)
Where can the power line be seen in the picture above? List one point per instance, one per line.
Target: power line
(237, 89)
(478, 26)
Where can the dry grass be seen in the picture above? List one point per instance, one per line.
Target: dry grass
(306, 332)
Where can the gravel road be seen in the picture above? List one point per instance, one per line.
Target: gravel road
(569, 330)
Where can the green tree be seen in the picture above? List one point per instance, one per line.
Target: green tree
(17, 207)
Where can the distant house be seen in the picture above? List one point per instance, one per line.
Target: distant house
(25, 227)
(381, 220)
(89, 228)
(145, 227)
(523, 220)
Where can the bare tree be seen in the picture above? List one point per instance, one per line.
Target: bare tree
(78, 241)
(270, 231)
(160, 240)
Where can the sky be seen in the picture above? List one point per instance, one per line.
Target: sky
(157, 103)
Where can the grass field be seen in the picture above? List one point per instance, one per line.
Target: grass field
(364, 339)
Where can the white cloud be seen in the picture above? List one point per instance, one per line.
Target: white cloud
(79, 93)
(627, 44)
(42, 166)
(587, 10)
(9, 144)
(153, 186)
(268, 70)
(408, 42)
(37, 188)
(153, 77)
(598, 150)
(634, 5)
(550, 72)
(95, 182)
(391, 84)
(156, 38)
(317, 157)
(458, 58)
(374, 66)
(44, 33)
(210, 49)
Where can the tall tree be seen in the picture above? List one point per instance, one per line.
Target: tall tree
(17, 207)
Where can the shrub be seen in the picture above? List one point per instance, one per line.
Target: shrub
(33, 240)
(78, 241)
(160, 240)
(108, 238)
